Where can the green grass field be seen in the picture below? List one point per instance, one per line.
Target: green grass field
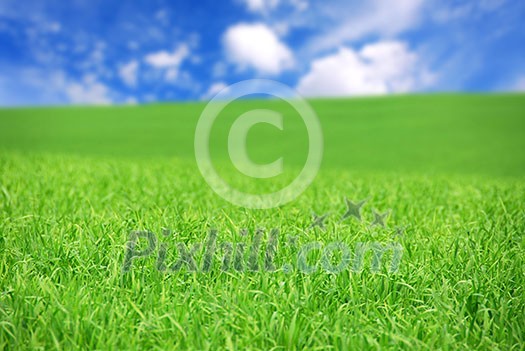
(75, 181)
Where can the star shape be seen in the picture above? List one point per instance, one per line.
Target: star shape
(318, 221)
(400, 231)
(379, 218)
(353, 209)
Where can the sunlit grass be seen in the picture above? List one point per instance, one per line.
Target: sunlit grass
(65, 222)
(66, 213)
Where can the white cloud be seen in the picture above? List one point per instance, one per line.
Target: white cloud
(260, 6)
(219, 69)
(88, 91)
(36, 86)
(300, 5)
(266, 6)
(31, 86)
(171, 74)
(519, 85)
(350, 21)
(165, 59)
(380, 68)
(257, 46)
(168, 63)
(450, 11)
(213, 90)
(131, 100)
(128, 72)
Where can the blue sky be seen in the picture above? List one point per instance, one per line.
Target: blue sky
(115, 51)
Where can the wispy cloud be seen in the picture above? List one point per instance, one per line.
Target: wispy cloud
(519, 84)
(128, 72)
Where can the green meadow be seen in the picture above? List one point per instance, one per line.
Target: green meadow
(449, 171)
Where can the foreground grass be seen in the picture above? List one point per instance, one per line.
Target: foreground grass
(75, 182)
(64, 222)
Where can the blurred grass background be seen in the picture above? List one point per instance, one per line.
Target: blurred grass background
(464, 134)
